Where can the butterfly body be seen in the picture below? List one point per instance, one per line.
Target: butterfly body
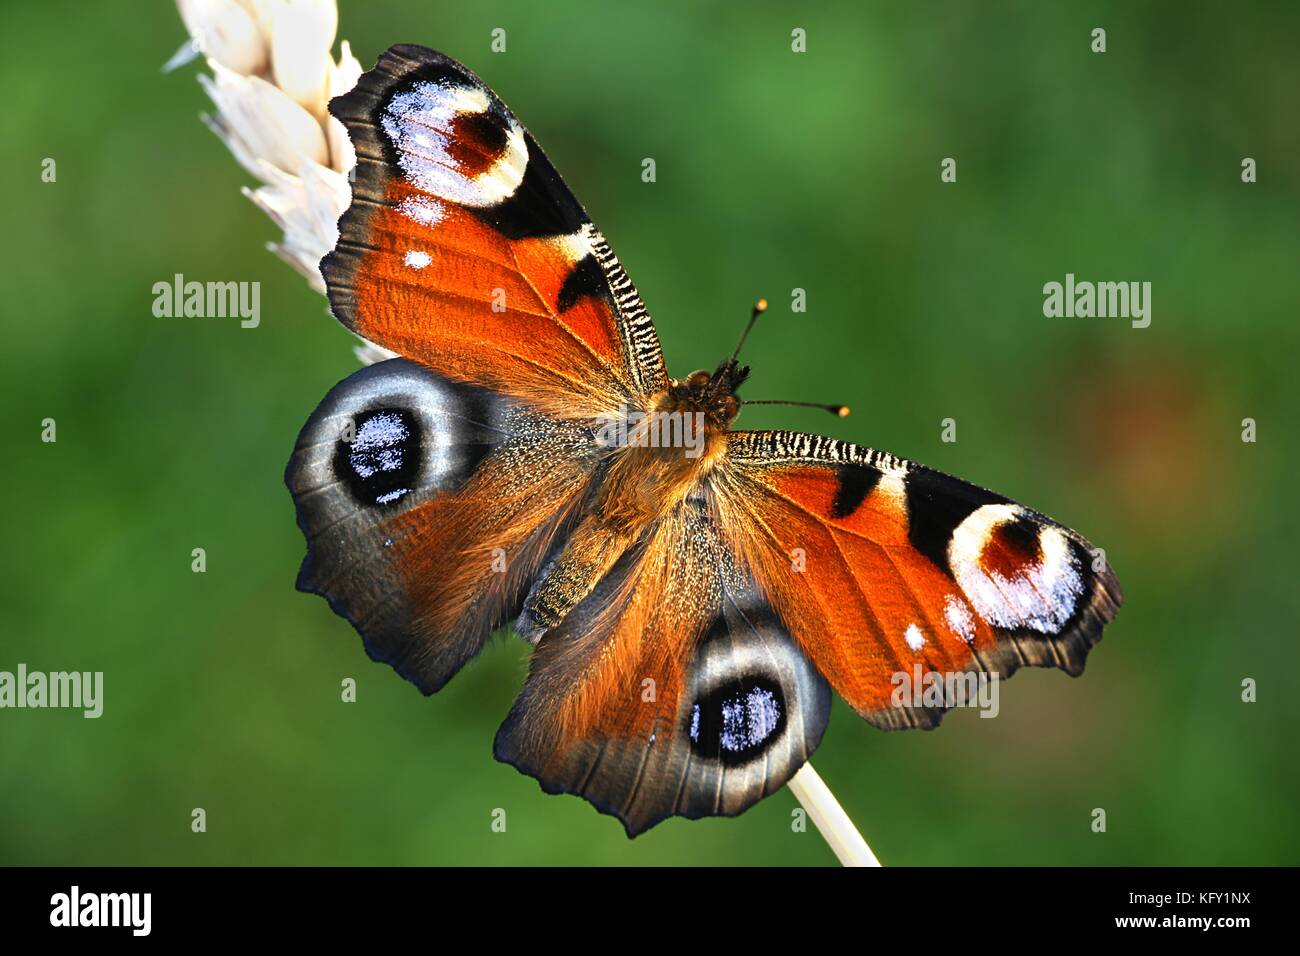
(693, 592)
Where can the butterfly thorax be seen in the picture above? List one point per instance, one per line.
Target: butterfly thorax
(660, 452)
(667, 452)
(657, 456)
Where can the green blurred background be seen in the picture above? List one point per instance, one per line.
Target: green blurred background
(775, 171)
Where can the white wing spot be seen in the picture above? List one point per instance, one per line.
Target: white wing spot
(893, 486)
(417, 260)
(915, 639)
(959, 618)
(422, 209)
(576, 246)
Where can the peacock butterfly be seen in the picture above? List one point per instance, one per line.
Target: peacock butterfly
(693, 592)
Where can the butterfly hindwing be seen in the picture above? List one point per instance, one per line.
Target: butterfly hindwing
(464, 249)
(428, 506)
(878, 565)
(672, 689)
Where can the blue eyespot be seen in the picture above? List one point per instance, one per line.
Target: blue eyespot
(382, 461)
(737, 721)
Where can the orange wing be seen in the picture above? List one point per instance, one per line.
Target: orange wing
(877, 565)
(464, 250)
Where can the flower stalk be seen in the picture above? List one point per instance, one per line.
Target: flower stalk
(830, 819)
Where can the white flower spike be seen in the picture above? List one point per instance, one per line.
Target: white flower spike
(302, 32)
(226, 33)
(271, 83)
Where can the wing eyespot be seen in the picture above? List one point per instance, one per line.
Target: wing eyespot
(380, 460)
(738, 720)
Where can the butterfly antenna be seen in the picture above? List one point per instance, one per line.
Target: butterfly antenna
(759, 308)
(840, 411)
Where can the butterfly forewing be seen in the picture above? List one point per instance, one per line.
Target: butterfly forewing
(464, 249)
(878, 565)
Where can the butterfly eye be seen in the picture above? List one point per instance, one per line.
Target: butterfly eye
(381, 462)
(738, 720)
(730, 407)
(698, 380)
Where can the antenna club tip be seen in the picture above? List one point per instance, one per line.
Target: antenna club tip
(843, 411)
(760, 306)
